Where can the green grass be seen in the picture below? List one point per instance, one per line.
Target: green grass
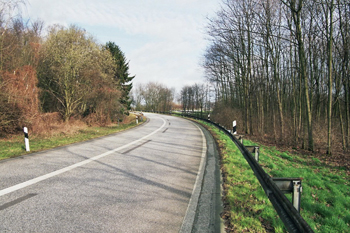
(249, 208)
(15, 146)
(325, 200)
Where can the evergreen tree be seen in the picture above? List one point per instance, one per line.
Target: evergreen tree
(121, 73)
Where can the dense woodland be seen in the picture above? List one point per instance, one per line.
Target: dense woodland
(63, 75)
(282, 68)
(279, 67)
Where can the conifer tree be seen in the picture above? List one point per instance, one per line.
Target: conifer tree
(121, 73)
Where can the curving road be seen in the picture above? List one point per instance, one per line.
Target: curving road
(139, 180)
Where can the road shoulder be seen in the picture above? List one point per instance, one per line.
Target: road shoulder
(205, 205)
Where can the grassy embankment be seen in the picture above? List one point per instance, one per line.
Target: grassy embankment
(325, 200)
(14, 146)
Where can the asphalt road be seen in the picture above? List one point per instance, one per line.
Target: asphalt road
(139, 180)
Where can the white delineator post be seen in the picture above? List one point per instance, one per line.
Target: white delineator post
(137, 120)
(26, 138)
(234, 128)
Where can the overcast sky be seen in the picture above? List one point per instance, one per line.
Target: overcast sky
(164, 40)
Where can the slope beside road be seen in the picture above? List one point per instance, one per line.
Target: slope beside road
(140, 180)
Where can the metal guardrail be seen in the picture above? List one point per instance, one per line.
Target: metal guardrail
(291, 218)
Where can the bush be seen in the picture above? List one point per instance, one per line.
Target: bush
(18, 99)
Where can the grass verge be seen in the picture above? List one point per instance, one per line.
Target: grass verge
(14, 147)
(325, 201)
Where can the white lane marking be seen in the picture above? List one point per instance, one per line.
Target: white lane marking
(55, 173)
(190, 215)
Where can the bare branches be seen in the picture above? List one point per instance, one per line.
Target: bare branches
(9, 10)
(270, 58)
(154, 97)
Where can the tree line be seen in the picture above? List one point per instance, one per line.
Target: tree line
(67, 71)
(156, 97)
(153, 97)
(283, 67)
(195, 97)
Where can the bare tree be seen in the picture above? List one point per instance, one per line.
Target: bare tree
(284, 64)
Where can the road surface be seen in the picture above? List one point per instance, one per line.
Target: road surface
(139, 180)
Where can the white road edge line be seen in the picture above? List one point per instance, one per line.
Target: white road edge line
(71, 167)
(190, 215)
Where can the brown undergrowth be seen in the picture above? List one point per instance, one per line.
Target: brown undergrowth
(48, 125)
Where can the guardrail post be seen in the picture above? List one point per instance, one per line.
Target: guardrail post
(256, 153)
(255, 150)
(297, 189)
(290, 185)
(239, 137)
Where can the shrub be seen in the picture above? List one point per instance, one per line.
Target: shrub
(18, 99)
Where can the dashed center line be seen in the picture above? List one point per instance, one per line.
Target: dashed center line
(71, 167)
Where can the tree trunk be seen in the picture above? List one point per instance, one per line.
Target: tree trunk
(330, 78)
(342, 127)
(302, 60)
